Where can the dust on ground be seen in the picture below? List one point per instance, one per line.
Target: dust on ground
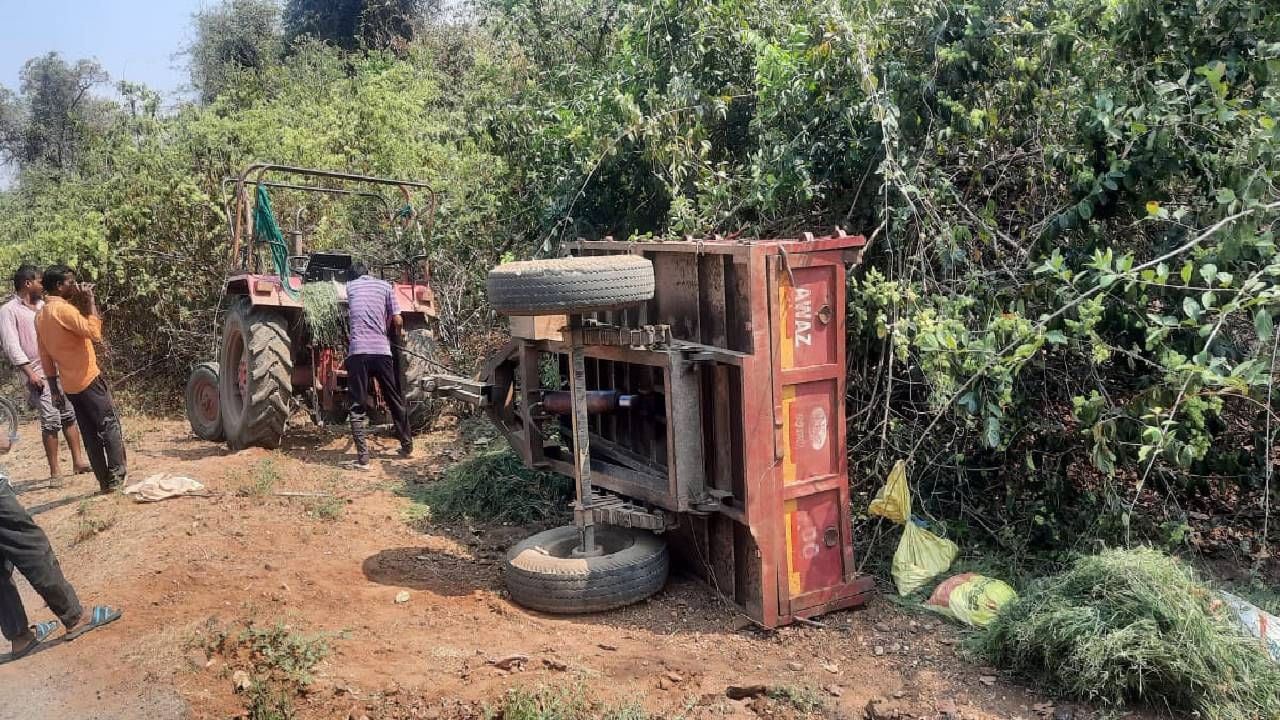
(248, 555)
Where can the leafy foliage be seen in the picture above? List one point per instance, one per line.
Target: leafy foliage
(277, 659)
(352, 24)
(50, 120)
(493, 486)
(1069, 300)
(1066, 318)
(559, 703)
(235, 42)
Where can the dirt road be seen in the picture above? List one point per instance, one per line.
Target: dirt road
(188, 571)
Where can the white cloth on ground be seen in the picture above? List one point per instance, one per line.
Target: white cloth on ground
(163, 486)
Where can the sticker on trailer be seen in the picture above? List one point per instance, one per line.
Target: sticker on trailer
(808, 451)
(818, 428)
(798, 430)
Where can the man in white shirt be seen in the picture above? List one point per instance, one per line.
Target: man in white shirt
(18, 337)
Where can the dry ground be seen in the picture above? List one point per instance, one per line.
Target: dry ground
(185, 568)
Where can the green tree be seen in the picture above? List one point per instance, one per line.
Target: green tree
(235, 42)
(48, 122)
(352, 24)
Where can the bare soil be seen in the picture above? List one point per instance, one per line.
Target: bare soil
(184, 568)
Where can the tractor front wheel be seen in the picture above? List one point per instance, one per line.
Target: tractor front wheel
(256, 378)
(202, 403)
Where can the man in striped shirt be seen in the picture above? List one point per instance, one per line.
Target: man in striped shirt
(374, 316)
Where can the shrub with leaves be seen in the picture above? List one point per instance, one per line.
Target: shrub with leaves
(1068, 303)
(494, 486)
(1136, 626)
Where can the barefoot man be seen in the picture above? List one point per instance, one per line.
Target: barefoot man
(18, 337)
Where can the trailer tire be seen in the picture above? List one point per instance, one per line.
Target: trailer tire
(255, 396)
(570, 285)
(203, 406)
(415, 366)
(542, 573)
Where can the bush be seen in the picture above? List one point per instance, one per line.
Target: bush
(494, 486)
(1136, 626)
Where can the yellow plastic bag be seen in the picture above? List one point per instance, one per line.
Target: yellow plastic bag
(921, 555)
(971, 599)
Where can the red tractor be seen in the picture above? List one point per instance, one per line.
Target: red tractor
(269, 361)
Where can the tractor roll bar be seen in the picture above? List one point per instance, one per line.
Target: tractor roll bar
(244, 208)
(226, 201)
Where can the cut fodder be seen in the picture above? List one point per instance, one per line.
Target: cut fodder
(1136, 626)
(493, 486)
(324, 314)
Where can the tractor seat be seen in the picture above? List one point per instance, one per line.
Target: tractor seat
(327, 266)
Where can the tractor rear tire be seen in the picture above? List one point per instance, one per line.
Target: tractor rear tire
(415, 365)
(257, 377)
(204, 408)
(570, 285)
(543, 574)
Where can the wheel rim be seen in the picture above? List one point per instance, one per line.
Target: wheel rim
(206, 393)
(608, 542)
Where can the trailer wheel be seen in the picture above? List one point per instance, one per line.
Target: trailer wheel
(542, 573)
(204, 410)
(256, 384)
(570, 285)
(415, 365)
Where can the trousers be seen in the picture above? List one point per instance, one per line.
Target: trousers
(362, 372)
(24, 546)
(103, 436)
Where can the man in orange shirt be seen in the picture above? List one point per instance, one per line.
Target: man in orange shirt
(18, 338)
(65, 337)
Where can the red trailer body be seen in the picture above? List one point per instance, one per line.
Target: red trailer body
(739, 451)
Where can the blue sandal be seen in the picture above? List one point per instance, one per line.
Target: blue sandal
(42, 631)
(101, 615)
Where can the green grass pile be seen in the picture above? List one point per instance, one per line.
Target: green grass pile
(324, 314)
(1136, 626)
(494, 486)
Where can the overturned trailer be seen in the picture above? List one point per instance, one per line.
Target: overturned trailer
(695, 390)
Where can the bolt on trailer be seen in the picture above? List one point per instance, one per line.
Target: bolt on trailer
(695, 391)
(268, 356)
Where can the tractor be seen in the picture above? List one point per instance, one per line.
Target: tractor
(269, 360)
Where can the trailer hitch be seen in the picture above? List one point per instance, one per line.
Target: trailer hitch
(471, 392)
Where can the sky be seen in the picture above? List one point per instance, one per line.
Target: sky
(133, 40)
